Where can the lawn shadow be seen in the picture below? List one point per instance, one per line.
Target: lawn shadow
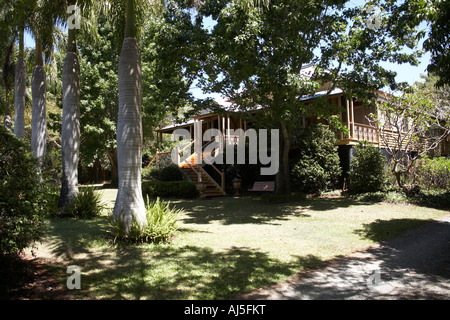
(244, 210)
(189, 272)
(165, 271)
(415, 252)
(411, 264)
(382, 230)
(325, 204)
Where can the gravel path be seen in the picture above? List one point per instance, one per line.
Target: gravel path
(414, 265)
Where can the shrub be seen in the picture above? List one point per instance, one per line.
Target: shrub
(169, 173)
(87, 204)
(160, 225)
(182, 189)
(367, 170)
(434, 173)
(22, 196)
(316, 166)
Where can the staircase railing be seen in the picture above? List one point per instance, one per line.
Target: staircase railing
(187, 161)
(156, 157)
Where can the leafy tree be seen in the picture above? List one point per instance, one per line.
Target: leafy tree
(409, 126)
(99, 99)
(256, 57)
(438, 42)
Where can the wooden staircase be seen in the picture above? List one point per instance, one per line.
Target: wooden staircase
(196, 173)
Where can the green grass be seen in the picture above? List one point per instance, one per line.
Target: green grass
(223, 247)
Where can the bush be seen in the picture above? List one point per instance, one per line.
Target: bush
(87, 204)
(367, 170)
(160, 226)
(434, 173)
(169, 173)
(316, 166)
(182, 189)
(22, 196)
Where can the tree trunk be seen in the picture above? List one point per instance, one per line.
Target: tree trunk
(7, 123)
(38, 108)
(129, 202)
(19, 94)
(70, 131)
(113, 162)
(283, 185)
(19, 98)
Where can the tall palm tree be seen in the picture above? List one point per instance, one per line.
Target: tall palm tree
(70, 131)
(42, 24)
(20, 89)
(16, 18)
(129, 202)
(38, 107)
(7, 77)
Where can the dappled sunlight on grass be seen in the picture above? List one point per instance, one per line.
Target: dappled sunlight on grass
(223, 246)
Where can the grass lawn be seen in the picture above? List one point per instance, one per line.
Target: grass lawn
(224, 246)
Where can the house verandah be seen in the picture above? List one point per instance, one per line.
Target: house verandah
(353, 116)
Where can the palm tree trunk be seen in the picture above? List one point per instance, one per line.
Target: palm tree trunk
(19, 94)
(70, 131)
(129, 202)
(7, 86)
(38, 108)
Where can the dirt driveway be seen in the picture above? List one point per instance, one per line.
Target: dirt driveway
(414, 265)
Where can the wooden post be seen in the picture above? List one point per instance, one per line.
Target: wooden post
(177, 149)
(223, 130)
(348, 118)
(228, 130)
(223, 180)
(353, 117)
(339, 103)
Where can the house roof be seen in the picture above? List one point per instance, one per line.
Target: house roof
(227, 105)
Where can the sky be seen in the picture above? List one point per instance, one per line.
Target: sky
(405, 72)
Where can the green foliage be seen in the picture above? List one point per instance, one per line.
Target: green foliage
(439, 199)
(87, 204)
(437, 42)
(160, 225)
(315, 168)
(182, 189)
(434, 173)
(22, 196)
(169, 173)
(367, 169)
(98, 100)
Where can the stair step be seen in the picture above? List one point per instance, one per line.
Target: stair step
(212, 189)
